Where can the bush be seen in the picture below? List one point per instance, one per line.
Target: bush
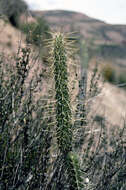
(109, 73)
(13, 9)
(36, 32)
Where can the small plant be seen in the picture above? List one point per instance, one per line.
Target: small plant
(36, 32)
(21, 143)
(109, 73)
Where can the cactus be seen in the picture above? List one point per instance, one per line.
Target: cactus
(64, 130)
(63, 111)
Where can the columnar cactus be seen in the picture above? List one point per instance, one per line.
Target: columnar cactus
(59, 58)
(63, 111)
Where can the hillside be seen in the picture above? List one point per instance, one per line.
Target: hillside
(88, 27)
(10, 38)
(105, 40)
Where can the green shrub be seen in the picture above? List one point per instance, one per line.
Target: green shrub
(109, 73)
(36, 32)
